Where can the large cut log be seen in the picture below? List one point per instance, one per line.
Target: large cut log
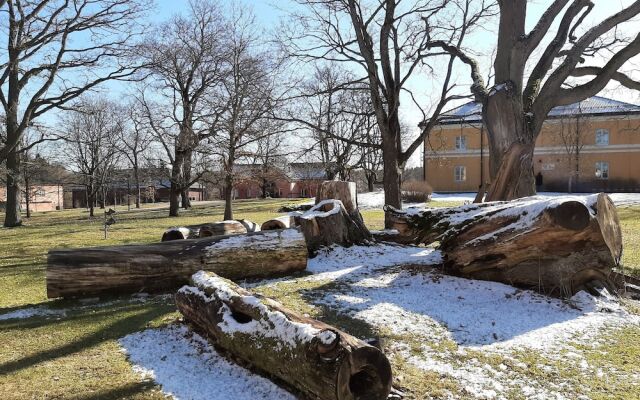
(339, 190)
(232, 227)
(329, 223)
(169, 265)
(553, 245)
(284, 222)
(315, 359)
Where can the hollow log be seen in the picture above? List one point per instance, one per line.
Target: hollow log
(284, 222)
(553, 245)
(329, 223)
(316, 359)
(169, 265)
(339, 190)
(209, 229)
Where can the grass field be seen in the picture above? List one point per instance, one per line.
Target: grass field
(76, 354)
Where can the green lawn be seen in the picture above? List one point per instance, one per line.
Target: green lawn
(77, 355)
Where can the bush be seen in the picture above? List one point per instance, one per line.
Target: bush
(416, 191)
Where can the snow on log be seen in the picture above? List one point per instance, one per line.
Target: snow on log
(284, 222)
(554, 245)
(316, 359)
(209, 229)
(339, 190)
(329, 223)
(169, 265)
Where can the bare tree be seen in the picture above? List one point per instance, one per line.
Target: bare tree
(245, 101)
(134, 142)
(91, 145)
(388, 41)
(48, 62)
(185, 57)
(268, 161)
(515, 109)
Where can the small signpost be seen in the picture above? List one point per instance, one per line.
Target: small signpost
(109, 219)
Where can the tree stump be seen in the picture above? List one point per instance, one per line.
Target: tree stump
(169, 265)
(329, 223)
(208, 229)
(339, 190)
(316, 359)
(555, 246)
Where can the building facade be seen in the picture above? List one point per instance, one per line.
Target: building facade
(590, 146)
(41, 198)
(296, 180)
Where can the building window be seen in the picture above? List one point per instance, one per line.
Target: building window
(40, 192)
(602, 137)
(461, 142)
(460, 174)
(303, 192)
(602, 170)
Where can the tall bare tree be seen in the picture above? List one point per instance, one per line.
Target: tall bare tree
(515, 109)
(388, 41)
(55, 51)
(91, 144)
(185, 57)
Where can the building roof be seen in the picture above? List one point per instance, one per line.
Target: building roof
(593, 106)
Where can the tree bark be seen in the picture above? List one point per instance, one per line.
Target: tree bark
(392, 175)
(315, 359)
(168, 265)
(228, 197)
(286, 221)
(329, 223)
(209, 229)
(339, 190)
(555, 246)
(12, 216)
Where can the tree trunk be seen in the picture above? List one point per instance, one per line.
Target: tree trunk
(12, 216)
(209, 229)
(168, 265)
(339, 190)
(392, 175)
(176, 183)
(555, 246)
(315, 359)
(228, 197)
(136, 177)
(370, 182)
(329, 223)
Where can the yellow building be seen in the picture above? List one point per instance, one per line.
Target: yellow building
(589, 146)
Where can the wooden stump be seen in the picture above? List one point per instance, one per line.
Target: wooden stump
(208, 229)
(316, 359)
(329, 223)
(339, 190)
(169, 265)
(555, 246)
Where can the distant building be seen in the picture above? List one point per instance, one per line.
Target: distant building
(593, 145)
(42, 197)
(296, 180)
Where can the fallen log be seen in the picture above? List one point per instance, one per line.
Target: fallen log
(169, 265)
(209, 229)
(284, 222)
(553, 245)
(316, 359)
(329, 223)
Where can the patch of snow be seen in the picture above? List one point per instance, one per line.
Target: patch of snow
(187, 367)
(327, 337)
(317, 211)
(183, 231)
(33, 312)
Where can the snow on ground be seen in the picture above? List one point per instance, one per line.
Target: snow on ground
(375, 200)
(32, 312)
(481, 318)
(187, 367)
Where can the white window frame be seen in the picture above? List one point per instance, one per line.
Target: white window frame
(461, 143)
(602, 133)
(460, 173)
(603, 167)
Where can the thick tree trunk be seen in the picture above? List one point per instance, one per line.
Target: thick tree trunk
(329, 223)
(555, 246)
(168, 265)
(392, 174)
(339, 190)
(12, 216)
(315, 359)
(210, 229)
(228, 197)
(136, 177)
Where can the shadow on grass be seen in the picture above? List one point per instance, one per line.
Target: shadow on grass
(142, 315)
(123, 392)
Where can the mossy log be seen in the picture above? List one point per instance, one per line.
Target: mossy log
(169, 265)
(553, 245)
(315, 359)
(330, 223)
(232, 227)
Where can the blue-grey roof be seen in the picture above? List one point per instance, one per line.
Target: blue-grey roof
(596, 105)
